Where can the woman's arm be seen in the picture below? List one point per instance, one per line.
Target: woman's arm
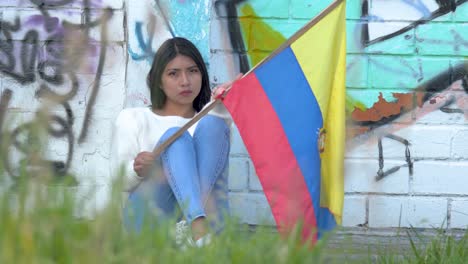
(125, 148)
(219, 92)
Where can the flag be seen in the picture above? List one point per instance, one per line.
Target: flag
(290, 112)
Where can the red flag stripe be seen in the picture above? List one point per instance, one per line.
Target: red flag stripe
(273, 158)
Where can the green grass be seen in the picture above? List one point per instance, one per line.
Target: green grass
(38, 224)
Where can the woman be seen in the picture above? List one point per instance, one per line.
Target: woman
(190, 174)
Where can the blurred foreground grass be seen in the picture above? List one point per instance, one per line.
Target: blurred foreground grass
(38, 225)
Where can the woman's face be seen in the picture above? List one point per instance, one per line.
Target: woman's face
(181, 81)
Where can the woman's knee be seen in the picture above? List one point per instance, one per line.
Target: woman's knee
(185, 137)
(213, 125)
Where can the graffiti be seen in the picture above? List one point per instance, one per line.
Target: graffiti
(146, 46)
(383, 111)
(421, 91)
(228, 8)
(409, 163)
(150, 23)
(165, 24)
(445, 6)
(50, 64)
(435, 93)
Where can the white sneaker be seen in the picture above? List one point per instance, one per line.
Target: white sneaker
(183, 237)
(182, 234)
(203, 241)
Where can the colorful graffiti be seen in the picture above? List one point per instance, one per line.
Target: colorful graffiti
(401, 65)
(41, 55)
(152, 22)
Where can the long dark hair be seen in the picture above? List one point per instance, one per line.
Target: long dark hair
(167, 52)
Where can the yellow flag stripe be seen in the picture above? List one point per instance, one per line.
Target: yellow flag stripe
(317, 53)
(321, 52)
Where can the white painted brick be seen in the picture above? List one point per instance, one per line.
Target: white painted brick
(115, 27)
(116, 4)
(440, 177)
(98, 135)
(251, 208)
(360, 177)
(219, 28)
(254, 182)
(401, 10)
(354, 210)
(438, 117)
(238, 173)
(460, 146)
(429, 142)
(386, 211)
(16, 3)
(237, 145)
(90, 166)
(111, 93)
(137, 92)
(426, 142)
(419, 212)
(23, 96)
(114, 63)
(459, 213)
(224, 66)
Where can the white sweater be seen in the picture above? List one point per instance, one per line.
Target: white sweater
(139, 129)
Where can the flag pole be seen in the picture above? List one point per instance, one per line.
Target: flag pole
(160, 148)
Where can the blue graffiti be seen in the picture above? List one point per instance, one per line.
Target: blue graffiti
(420, 6)
(144, 45)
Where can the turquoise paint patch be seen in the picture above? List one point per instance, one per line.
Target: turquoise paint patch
(460, 14)
(190, 19)
(353, 9)
(270, 9)
(393, 72)
(308, 9)
(442, 39)
(353, 36)
(357, 71)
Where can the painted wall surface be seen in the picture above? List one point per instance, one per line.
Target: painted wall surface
(407, 93)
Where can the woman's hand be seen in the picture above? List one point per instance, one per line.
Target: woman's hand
(143, 163)
(220, 91)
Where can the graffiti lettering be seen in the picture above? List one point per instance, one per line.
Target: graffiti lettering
(23, 62)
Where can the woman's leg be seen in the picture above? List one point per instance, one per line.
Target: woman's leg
(180, 168)
(212, 144)
(157, 196)
(151, 200)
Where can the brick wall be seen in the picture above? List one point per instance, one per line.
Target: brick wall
(406, 88)
(396, 50)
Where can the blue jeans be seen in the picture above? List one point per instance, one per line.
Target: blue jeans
(194, 179)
